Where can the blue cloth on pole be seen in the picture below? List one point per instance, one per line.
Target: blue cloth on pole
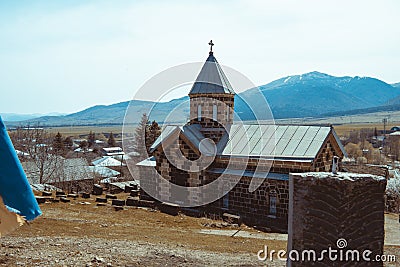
(14, 186)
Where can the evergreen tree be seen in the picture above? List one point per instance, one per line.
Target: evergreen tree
(58, 144)
(83, 145)
(68, 143)
(152, 133)
(111, 140)
(91, 139)
(101, 137)
(140, 136)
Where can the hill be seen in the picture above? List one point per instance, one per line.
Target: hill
(397, 85)
(394, 101)
(23, 117)
(312, 94)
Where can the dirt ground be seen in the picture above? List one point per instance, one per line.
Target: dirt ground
(74, 234)
(82, 234)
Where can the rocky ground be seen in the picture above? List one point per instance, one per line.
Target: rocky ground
(81, 234)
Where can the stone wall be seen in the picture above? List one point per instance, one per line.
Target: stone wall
(365, 168)
(323, 161)
(254, 207)
(224, 103)
(344, 212)
(75, 186)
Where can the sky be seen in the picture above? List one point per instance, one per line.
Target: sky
(65, 56)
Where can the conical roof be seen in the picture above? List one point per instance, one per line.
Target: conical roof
(211, 79)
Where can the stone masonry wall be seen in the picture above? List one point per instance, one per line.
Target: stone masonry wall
(255, 206)
(224, 105)
(344, 212)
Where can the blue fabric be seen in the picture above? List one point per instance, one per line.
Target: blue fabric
(14, 186)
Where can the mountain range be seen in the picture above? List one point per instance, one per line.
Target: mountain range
(312, 94)
(23, 117)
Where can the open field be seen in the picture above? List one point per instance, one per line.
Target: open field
(77, 234)
(341, 129)
(344, 129)
(370, 118)
(80, 130)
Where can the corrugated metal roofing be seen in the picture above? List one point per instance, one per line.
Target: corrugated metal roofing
(107, 162)
(275, 140)
(102, 171)
(211, 79)
(192, 133)
(281, 142)
(149, 162)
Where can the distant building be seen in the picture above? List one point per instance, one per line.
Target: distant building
(297, 149)
(107, 161)
(395, 136)
(112, 151)
(395, 128)
(68, 174)
(83, 150)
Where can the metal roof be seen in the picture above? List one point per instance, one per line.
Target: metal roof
(211, 79)
(107, 162)
(191, 132)
(58, 170)
(273, 141)
(102, 171)
(149, 162)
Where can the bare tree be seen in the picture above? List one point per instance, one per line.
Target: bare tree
(38, 144)
(394, 148)
(393, 191)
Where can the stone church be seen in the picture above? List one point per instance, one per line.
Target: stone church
(242, 151)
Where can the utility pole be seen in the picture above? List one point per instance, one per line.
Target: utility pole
(384, 132)
(384, 126)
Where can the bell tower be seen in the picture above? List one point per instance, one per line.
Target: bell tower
(212, 99)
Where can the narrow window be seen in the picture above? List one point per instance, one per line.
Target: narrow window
(272, 202)
(199, 112)
(215, 110)
(225, 201)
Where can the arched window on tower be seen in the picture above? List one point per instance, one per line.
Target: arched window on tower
(199, 112)
(215, 112)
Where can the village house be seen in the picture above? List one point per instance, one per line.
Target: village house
(112, 151)
(264, 151)
(71, 174)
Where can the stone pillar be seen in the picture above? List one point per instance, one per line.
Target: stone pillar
(341, 213)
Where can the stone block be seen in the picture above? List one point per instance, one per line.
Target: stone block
(132, 201)
(118, 202)
(169, 208)
(64, 200)
(85, 195)
(344, 212)
(97, 190)
(47, 194)
(111, 196)
(101, 199)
